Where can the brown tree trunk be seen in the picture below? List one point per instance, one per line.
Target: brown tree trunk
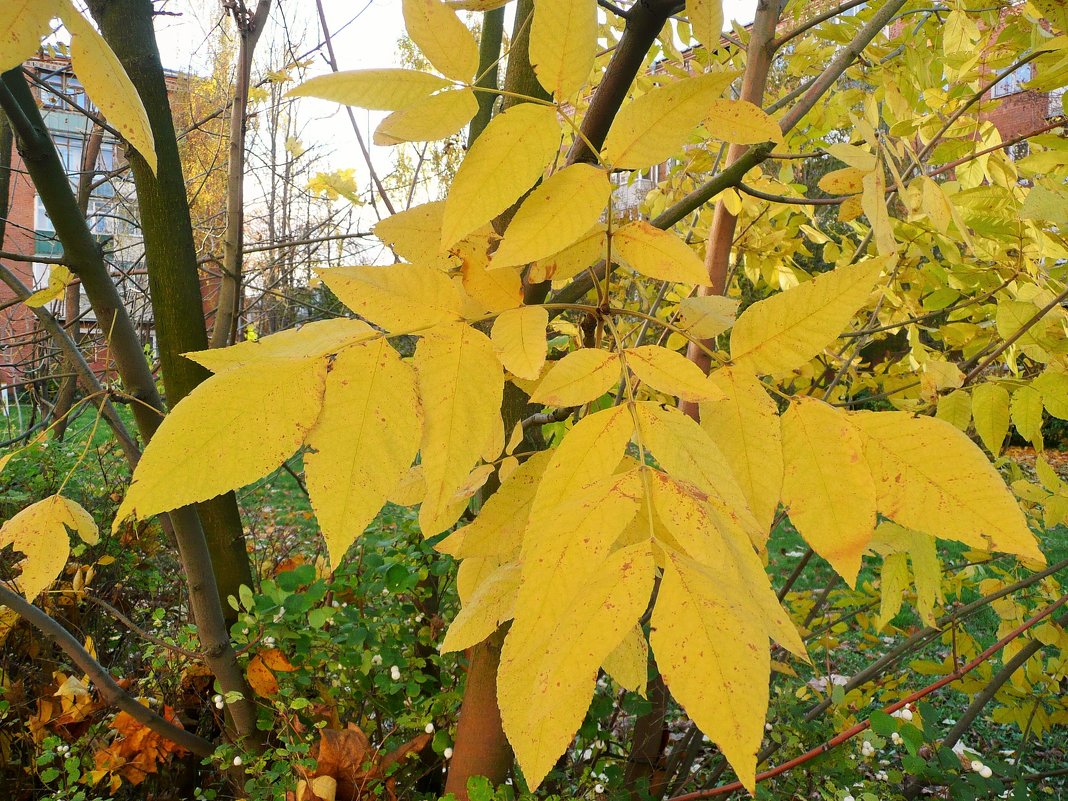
(170, 252)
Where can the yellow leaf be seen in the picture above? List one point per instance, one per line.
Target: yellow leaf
(956, 409)
(782, 333)
(364, 442)
(380, 89)
(990, 411)
(591, 450)
(854, 156)
(893, 579)
(926, 569)
(477, 5)
(503, 163)
(461, 384)
(700, 620)
(491, 604)
(411, 489)
(492, 290)
(554, 656)
(260, 677)
(59, 278)
(497, 531)
(628, 664)
(310, 341)
(655, 126)
(686, 452)
(555, 215)
(847, 181)
(930, 477)
(563, 45)
(573, 259)
(741, 123)
(23, 24)
(717, 540)
(412, 233)
(399, 298)
(442, 37)
(580, 377)
(707, 316)
(432, 118)
(670, 372)
(107, 83)
(1026, 413)
(706, 20)
(39, 532)
(873, 201)
(518, 336)
(744, 425)
(1053, 386)
(827, 485)
(233, 429)
(658, 254)
(936, 205)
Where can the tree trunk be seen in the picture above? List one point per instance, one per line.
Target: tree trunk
(170, 251)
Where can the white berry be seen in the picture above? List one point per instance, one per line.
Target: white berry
(429, 728)
(986, 772)
(598, 788)
(447, 753)
(237, 761)
(977, 765)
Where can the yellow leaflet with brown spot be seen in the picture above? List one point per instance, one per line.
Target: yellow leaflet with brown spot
(503, 163)
(555, 215)
(461, 384)
(573, 259)
(710, 536)
(744, 424)
(492, 290)
(581, 376)
(563, 45)
(628, 664)
(23, 24)
(491, 604)
(243, 423)
(364, 442)
(430, 119)
(824, 463)
(670, 372)
(700, 619)
(846, 181)
(592, 450)
(555, 658)
(659, 254)
(106, 82)
(686, 452)
(741, 123)
(498, 529)
(379, 89)
(309, 341)
(399, 298)
(39, 532)
(445, 41)
(655, 126)
(784, 332)
(518, 336)
(930, 477)
(706, 20)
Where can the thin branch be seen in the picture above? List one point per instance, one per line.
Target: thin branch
(109, 689)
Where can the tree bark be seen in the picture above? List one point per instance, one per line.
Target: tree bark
(170, 251)
(227, 312)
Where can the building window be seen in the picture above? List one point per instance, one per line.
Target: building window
(62, 84)
(1013, 82)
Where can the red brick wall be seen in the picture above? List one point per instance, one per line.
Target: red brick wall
(17, 322)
